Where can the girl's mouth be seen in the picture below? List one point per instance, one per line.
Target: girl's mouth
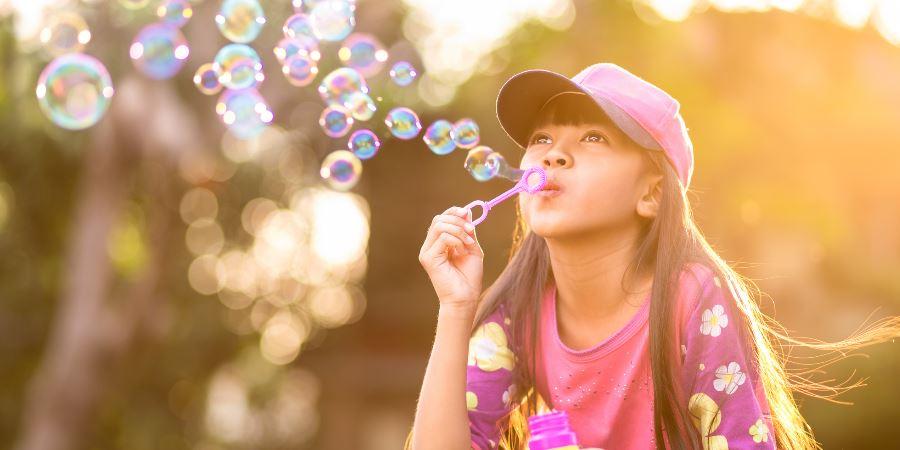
(551, 189)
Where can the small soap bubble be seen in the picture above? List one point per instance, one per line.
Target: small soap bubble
(66, 32)
(480, 165)
(341, 169)
(437, 137)
(298, 26)
(239, 66)
(288, 47)
(403, 123)
(364, 144)
(338, 85)
(361, 106)
(332, 20)
(244, 111)
(74, 91)
(207, 79)
(403, 73)
(309, 5)
(159, 51)
(363, 52)
(175, 12)
(300, 69)
(240, 20)
(465, 133)
(134, 4)
(335, 120)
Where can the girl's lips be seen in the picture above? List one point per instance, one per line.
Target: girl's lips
(547, 193)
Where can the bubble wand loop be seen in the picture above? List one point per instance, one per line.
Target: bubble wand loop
(521, 185)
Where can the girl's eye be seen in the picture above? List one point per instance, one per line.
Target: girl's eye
(595, 137)
(539, 139)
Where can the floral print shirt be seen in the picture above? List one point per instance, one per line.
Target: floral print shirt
(607, 389)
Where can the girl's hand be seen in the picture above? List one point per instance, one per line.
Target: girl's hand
(453, 259)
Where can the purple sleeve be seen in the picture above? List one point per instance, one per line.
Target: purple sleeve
(726, 401)
(489, 378)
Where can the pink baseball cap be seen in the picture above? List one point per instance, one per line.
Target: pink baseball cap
(644, 112)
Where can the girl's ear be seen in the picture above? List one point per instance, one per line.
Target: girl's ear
(648, 204)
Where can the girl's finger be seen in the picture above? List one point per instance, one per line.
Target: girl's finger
(444, 243)
(460, 212)
(437, 227)
(453, 230)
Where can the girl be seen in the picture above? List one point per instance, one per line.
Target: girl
(613, 307)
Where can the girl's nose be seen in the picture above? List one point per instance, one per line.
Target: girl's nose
(556, 159)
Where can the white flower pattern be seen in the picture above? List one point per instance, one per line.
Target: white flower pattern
(714, 320)
(729, 378)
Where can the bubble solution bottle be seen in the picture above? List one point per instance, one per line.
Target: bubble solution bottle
(551, 431)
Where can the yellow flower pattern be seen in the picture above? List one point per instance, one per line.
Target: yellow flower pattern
(489, 350)
(707, 416)
(759, 431)
(471, 401)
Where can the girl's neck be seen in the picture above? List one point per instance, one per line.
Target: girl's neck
(589, 271)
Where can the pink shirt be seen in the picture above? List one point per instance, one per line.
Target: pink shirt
(607, 390)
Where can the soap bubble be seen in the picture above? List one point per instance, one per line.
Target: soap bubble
(244, 111)
(240, 20)
(300, 70)
(403, 123)
(465, 133)
(341, 169)
(336, 121)
(207, 79)
(134, 4)
(66, 32)
(175, 12)
(480, 165)
(239, 66)
(288, 47)
(503, 168)
(364, 144)
(360, 105)
(437, 137)
(159, 51)
(363, 52)
(403, 73)
(332, 20)
(298, 26)
(309, 5)
(74, 90)
(337, 86)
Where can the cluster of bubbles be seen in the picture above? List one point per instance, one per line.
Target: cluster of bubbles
(236, 71)
(74, 90)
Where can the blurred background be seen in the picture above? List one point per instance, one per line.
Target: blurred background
(177, 274)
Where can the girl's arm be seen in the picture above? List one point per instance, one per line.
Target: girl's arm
(441, 417)
(464, 401)
(726, 401)
(453, 260)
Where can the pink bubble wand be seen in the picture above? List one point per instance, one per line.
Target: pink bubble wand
(522, 185)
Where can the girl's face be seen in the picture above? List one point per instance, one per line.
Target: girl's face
(597, 179)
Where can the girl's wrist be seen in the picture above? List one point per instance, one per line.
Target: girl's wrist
(457, 311)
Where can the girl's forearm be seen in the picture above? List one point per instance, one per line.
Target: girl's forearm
(442, 420)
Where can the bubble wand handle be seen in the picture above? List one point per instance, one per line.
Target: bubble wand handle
(522, 185)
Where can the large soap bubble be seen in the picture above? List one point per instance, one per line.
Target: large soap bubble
(338, 85)
(74, 91)
(332, 20)
(403, 123)
(65, 32)
(341, 169)
(239, 66)
(244, 111)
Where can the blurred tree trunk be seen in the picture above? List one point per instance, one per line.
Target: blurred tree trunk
(132, 149)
